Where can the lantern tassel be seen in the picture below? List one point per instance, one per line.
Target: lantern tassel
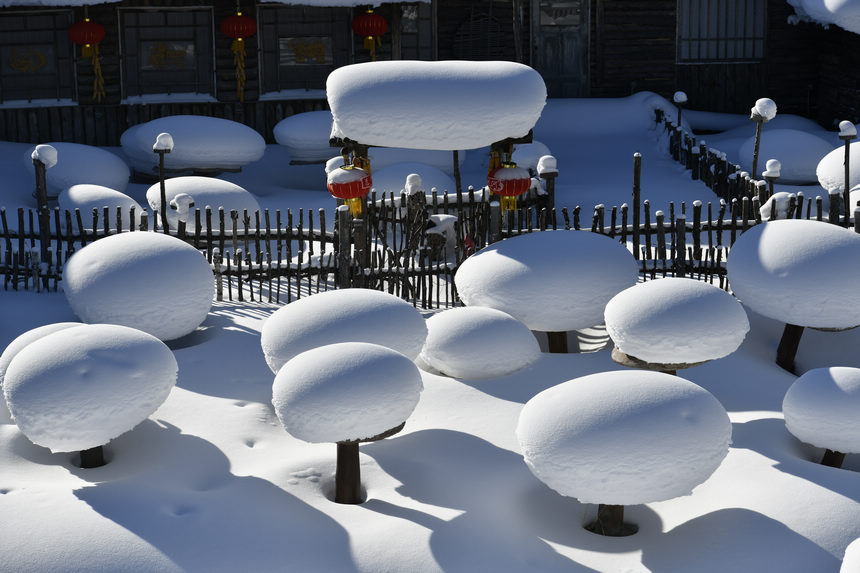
(238, 48)
(509, 203)
(355, 205)
(370, 43)
(98, 80)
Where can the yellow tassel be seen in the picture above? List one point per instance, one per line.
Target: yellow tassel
(88, 49)
(495, 161)
(98, 80)
(238, 48)
(509, 203)
(355, 205)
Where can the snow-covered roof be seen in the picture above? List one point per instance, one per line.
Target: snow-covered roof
(842, 13)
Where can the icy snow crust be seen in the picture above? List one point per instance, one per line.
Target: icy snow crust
(146, 280)
(434, 105)
(798, 271)
(475, 342)
(80, 387)
(79, 163)
(551, 281)
(344, 315)
(345, 391)
(86, 197)
(821, 408)
(204, 191)
(624, 437)
(652, 321)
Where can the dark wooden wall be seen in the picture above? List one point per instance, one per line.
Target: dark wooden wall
(837, 91)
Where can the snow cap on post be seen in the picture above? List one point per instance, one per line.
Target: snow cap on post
(679, 97)
(772, 168)
(763, 110)
(45, 153)
(847, 130)
(163, 142)
(547, 165)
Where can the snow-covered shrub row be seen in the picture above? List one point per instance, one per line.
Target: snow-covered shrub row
(188, 193)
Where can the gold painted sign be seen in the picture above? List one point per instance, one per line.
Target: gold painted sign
(28, 60)
(167, 55)
(304, 51)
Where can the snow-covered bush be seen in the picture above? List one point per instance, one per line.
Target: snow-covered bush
(343, 315)
(821, 408)
(79, 163)
(475, 342)
(624, 437)
(346, 393)
(203, 192)
(149, 281)
(830, 171)
(86, 197)
(653, 322)
(79, 387)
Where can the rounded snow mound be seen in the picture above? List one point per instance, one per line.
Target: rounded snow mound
(199, 142)
(188, 193)
(86, 197)
(393, 178)
(474, 342)
(851, 559)
(149, 281)
(830, 170)
(821, 408)
(80, 387)
(651, 321)
(79, 163)
(624, 437)
(343, 315)
(433, 105)
(527, 155)
(551, 281)
(798, 271)
(306, 136)
(345, 392)
(799, 152)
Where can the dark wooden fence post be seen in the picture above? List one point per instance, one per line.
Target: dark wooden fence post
(681, 246)
(344, 244)
(42, 199)
(846, 192)
(637, 174)
(495, 231)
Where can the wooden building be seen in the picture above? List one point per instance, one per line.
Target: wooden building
(163, 57)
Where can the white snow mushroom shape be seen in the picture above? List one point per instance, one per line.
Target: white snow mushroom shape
(831, 169)
(343, 315)
(202, 192)
(624, 437)
(474, 342)
(821, 408)
(651, 321)
(149, 281)
(78, 163)
(86, 197)
(79, 387)
(551, 281)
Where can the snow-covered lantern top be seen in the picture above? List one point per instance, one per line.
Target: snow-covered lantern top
(552, 281)
(350, 183)
(651, 327)
(509, 181)
(163, 143)
(764, 110)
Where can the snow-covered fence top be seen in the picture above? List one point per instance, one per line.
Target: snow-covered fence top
(434, 105)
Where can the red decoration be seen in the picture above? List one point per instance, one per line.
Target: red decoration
(509, 181)
(86, 33)
(238, 26)
(371, 26)
(352, 184)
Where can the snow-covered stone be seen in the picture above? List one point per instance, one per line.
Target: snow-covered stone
(799, 153)
(86, 197)
(475, 342)
(821, 408)
(77, 163)
(624, 437)
(306, 136)
(764, 108)
(145, 280)
(433, 105)
(527, 155)
(798, 271)
(345, 391)
(830, 170)
(551, 281)
(200, 142)
(203, 191)
(342, 315)
(80, 387)
(651, 321)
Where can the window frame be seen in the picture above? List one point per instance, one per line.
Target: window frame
(727, 39)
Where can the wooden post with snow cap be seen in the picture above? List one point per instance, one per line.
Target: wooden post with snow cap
(763, 111)
(547, 169)
(637, 174)
(847, 132)
(163, 144)
(681, 246)
(44, 157)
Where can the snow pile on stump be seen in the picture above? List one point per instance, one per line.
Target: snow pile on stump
(79, 163)
(86, 197)
(202, 192)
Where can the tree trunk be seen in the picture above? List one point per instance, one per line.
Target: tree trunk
(348, 474)
(93, 458)
(610, 522)
(833, 459)
(557, 342)
(788, 346)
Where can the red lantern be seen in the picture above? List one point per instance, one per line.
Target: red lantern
(509, 181)
(239, 27)
(88, 34)
(352, 184)
(371, 26)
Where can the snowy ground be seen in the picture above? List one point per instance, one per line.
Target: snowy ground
(211, 482)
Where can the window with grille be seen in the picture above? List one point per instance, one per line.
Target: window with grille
(721, 30)
(37, 59)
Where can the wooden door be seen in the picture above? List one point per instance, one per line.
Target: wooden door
(560, 45)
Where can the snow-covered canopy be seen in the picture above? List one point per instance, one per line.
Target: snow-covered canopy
(203, 192)
(624, 437)
(475, 342)
(551, 281)
(86, 197)
(80, 387)
(434, 105)
(153, 282)
(345, 391)
(79, 163)
(821, 408)
(799, 152)
(343, 315)
(798, 271)
(842, 13)
(831, 168)
(653, 321)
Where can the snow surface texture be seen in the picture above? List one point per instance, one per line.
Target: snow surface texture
(345, 391)
(842, 13)
(851, 561)
(831, 169)
(345, 315)
(624, 437)
(306, 136)
(652, 321)
(798, 271)
(475, 342)
(821, 408)
(433, 105)
(146, 280)
(200, 142)
(552, 281)
(798, 151)
(86, 197)
(78, 163)
(80, 387)
(204, 191)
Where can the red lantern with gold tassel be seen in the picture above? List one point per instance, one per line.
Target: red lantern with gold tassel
(509, 182)
(350, 183)
(239, 27)
(371, 26)
(88, 34)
